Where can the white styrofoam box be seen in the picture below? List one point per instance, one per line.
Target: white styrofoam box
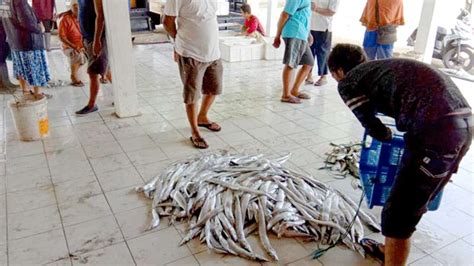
(235, 48)
(258, 51)
(271, 53)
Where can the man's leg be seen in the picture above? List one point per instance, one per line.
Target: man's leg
(212, 86)
(384, 51)
(370, 44)
(313, 48)
(307, 60)
(94, 89)
(74, 70)
(300, 77)
(396, 251)
(287, 74)
(207, 101)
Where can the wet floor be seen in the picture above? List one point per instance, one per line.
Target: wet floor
(69, 199)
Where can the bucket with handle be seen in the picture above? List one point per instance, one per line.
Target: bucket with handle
(30, 116)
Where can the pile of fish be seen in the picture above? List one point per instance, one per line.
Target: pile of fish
(343, 159)
(224, 198)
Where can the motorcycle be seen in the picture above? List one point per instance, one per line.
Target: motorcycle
(455, 49)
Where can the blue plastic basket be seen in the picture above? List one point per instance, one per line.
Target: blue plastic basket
(378, 167)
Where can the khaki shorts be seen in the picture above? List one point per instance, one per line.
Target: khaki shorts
(75, 57)
(197, 76)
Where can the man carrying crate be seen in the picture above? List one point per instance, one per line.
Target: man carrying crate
(437, 120)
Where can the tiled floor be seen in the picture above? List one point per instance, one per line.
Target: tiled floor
(69, 199)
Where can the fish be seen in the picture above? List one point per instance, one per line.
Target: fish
(226, 197)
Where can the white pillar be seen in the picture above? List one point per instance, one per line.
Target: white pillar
(122, 63)
(427, 28)
(272, 16)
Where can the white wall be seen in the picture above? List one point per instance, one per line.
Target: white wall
(346, 21)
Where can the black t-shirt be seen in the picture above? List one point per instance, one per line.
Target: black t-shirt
(413, 93)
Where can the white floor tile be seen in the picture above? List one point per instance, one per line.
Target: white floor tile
(93, 235)
(117, 254)
(146, 156)
(30, 199)
(110, 163)
(125, 199)
(28, 223)
(135, 222)
(151, 249)
(463, 251)
(127, 177)
(84, 209)
(44, 248)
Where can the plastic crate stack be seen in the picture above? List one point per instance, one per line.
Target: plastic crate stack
(378, 167)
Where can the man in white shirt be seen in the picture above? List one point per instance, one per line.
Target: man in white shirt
(321, 30)
(193, 26)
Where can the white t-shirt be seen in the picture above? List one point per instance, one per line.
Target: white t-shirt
(198, 31)
(320, 22)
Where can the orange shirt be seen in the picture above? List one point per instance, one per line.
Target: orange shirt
(70, 30)
(390, 13)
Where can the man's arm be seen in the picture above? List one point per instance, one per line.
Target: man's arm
(99, 27)
(169, 23)
(281, 23)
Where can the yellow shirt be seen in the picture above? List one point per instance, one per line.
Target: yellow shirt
(390, 13)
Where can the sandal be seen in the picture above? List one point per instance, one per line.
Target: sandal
(291, 99)
(104, 81)
(199, 143)
(321, 82)
(309, 81)
(77, 84)
(304, 96)
(211, 126)
(372, 248)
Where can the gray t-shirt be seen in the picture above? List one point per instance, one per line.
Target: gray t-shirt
(413, 93)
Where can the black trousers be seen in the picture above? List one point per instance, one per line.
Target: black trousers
(321, 48)
(429, 160)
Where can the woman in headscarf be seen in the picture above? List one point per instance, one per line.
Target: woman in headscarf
(25, 36)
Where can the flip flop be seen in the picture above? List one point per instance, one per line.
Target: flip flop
(211, 126)
(291, 99)
(199, 143)
(303, 96)
(321, 82)
(309, 81)
(77, 84)
(372, 248)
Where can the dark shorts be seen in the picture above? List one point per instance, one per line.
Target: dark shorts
(48, 25)
(429, 160)
(297, 52)
(198, 76)
(97, 65)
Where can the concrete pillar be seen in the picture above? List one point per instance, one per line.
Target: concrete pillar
(427, 28)
(122, 63)
(272, 17)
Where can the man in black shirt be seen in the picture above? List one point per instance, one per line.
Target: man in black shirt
(425, 104)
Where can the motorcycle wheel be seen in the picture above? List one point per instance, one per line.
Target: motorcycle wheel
(464, 60)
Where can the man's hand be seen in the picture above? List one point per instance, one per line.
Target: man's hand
(97, 48)
(313, 6)
(310, 39)
(42, 27)
(389, 135)
(277, 42)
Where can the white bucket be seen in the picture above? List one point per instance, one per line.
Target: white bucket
(30, 117)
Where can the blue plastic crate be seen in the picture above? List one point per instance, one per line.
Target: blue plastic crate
(378, 167)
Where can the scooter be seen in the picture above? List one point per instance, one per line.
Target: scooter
(455, 49)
